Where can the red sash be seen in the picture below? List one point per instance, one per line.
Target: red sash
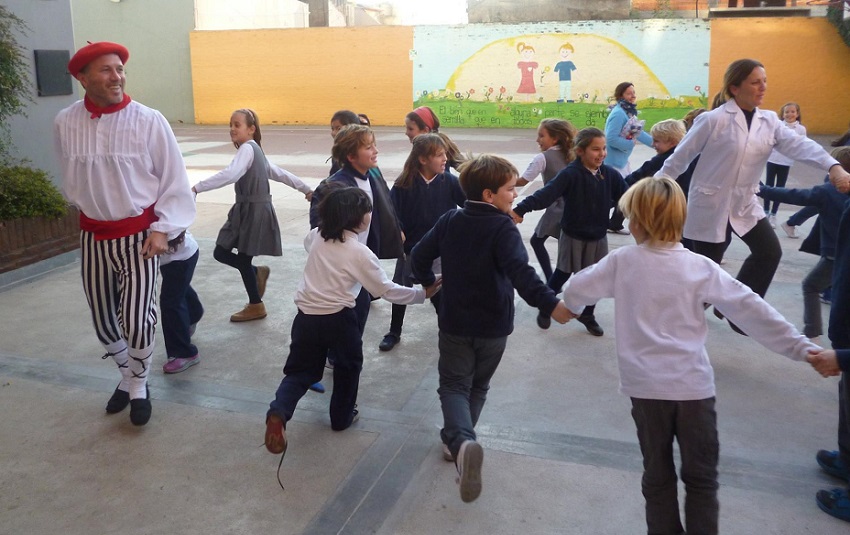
(110, 230)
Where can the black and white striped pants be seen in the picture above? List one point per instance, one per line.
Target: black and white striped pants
(120, 286)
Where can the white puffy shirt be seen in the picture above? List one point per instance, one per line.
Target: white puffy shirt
(336, 271)
(116, 166)
(659, 292)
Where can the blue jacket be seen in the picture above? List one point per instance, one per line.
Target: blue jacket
(587, 199)
(829, 201)
(421, 205)
(620, 148)
(483, 259)
(654, 164)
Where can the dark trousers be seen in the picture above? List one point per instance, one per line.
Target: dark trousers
(776, 175)
(311, 339)
(616, 220)
(466, 366)
(758, 269)
(694, 426)
(179, 306)
(800, 216)
(844, 418)
(242, 262)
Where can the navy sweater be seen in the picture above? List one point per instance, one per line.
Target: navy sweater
(483, 260)
(839, 315)
(828, 200)
(654, 164)
(421, 205)
(587, 199)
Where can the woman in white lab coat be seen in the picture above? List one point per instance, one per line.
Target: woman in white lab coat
(735, 140)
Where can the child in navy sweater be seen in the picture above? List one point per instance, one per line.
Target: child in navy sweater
(338, 266)
(483, 259)
(589, 189)
(423, 192)
(830, 203)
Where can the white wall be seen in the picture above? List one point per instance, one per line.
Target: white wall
(250, 14)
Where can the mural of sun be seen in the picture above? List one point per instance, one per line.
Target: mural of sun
(533, 68)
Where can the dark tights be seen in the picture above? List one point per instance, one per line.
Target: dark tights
(242, 262)
(537, 244)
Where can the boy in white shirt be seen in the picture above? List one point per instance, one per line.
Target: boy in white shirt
(661, 290)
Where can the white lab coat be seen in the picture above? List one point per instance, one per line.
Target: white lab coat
(732, 158)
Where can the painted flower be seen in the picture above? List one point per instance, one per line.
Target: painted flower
(457, 94)
(502, 89)
(471, 91)
(586, 95)
(697, 88)
(489, 90)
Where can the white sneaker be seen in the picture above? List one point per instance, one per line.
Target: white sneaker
(772, 220)
(470, 457)
(789, 230)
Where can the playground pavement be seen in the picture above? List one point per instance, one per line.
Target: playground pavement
(561, 455)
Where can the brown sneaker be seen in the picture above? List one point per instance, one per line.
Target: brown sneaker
(275, 434)
(262, 277)
(252, 311)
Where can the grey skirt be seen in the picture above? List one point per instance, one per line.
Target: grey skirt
(550, 222)
(575, 255)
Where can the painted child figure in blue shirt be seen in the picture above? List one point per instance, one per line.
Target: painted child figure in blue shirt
(565, 68)
(423, 192)
(483, 259)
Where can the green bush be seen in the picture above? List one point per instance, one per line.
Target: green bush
(27, 192)
(835, 13)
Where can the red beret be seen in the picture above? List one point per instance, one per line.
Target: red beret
(92, 51)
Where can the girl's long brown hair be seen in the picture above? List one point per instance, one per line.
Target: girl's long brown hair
(424, 146)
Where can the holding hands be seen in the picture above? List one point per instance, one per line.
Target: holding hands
(516, 217)
(839, 178)
(562, 314)
(434, 288)
(824, 362)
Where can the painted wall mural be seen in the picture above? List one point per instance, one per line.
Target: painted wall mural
(511, 76)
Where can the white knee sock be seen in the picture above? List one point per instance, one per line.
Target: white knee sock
(139, 364)
(118, 352)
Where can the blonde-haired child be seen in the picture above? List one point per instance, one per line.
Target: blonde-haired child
(660, 289)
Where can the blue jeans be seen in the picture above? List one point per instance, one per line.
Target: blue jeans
(800, 216)
(311, 339)
(180, 307)
(694, 426)
(466, 366)
(776, 175)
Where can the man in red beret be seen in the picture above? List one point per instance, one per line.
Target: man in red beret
(123, 170)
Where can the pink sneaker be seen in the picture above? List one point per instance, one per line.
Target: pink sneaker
(178, 365)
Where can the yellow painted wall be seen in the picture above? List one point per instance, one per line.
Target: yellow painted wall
(302, 76)
(805, 59)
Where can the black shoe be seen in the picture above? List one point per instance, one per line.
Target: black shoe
(140, 409)
(118, 402)
(390, 340)
(591, 325)
(543, 321)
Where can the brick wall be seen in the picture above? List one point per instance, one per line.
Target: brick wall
(29, 240)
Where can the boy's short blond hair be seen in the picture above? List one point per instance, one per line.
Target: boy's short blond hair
(842, 154)
(485, 172)
(672, 130)
(348, 141)
(658, 206)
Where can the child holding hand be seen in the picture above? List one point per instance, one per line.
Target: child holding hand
(338, 266)
(251, 227)
(483, 259)
(660, 290)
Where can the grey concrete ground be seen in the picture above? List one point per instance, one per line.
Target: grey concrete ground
(561, 454)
